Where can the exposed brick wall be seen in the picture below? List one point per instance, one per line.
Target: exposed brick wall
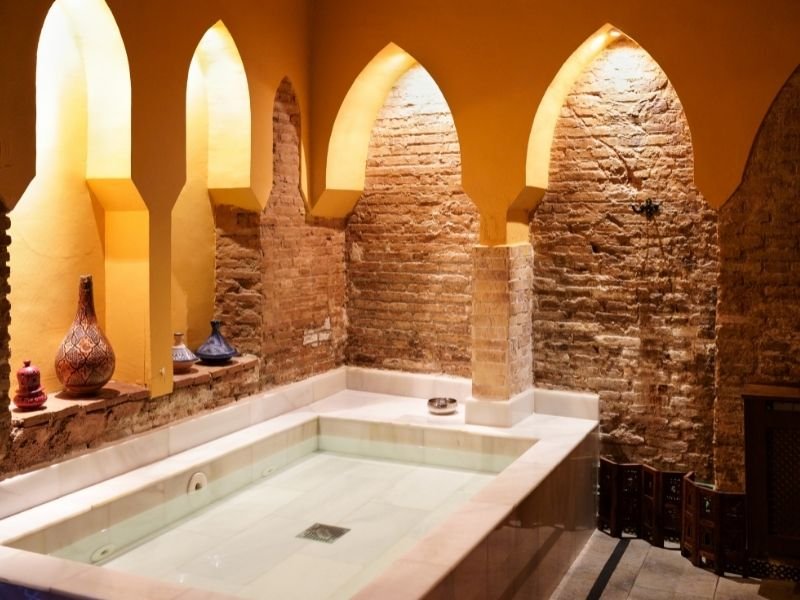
(758, 325)
(623, 306)
(501, 321)
(303, 266)
(280, 276)
(5, 321)
(239, 296)
(410, 240)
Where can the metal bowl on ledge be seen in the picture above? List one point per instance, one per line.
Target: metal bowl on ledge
(442, 406)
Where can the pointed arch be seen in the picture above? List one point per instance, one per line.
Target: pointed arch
(227, 97)
(349, 141)
(218, 168)
(82, 213)
(108, 86)
(540, 140)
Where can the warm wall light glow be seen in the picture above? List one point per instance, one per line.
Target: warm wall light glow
(349, 143)
(82, 213)
(193, 238)
(228, 98)
(544, 123)
(61, 122)
(108, 86)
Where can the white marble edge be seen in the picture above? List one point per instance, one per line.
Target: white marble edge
(557, 436)
(453, 539)
(499, 413)
(565, 403)
(22, 492)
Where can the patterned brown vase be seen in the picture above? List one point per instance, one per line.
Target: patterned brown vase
(85, 359)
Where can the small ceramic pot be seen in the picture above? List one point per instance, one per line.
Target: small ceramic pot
(182, 357)
(216, 350)
(30, 394)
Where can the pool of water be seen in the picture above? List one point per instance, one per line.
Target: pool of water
(234, 522)
(249, 544)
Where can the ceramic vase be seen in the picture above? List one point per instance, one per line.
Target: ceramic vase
(85, 360)
(182, 357)
(30, 393)
(216, 350)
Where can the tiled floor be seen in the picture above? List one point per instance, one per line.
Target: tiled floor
(649, 573)
(247, 544)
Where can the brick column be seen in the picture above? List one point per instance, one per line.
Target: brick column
(502, 365)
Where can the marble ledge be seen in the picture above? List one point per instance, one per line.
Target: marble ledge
(201, 373)
(60, 405)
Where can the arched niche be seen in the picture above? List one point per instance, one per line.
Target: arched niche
(410, 238)
(352, 129)
(218, 164)
(540, 140)
(625, 304)
(81, 213)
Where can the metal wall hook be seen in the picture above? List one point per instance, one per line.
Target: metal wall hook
(648, 208)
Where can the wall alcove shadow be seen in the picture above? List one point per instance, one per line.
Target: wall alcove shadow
(217, 174)
(81, 214)
(410, 238)
(625, 306)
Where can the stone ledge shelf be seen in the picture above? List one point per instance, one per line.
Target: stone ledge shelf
(201, 373)
(65, 427)
(59, 406)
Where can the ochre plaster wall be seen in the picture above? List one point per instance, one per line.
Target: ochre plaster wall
(159, 38)
(758, 323)
(57, 229)
(410, 239)
(193, 228)
(474, 49)
(623, 306)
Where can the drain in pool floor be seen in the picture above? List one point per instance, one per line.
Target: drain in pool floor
(319, 532)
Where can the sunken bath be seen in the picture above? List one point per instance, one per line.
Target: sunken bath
(526, 492)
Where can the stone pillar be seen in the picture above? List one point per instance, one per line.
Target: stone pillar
(502, 365)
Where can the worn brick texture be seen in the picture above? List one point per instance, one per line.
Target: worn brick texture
(239, 295)
(625, 306)
(5, 321)
(410, 240)
(758, 324)
(303, 276)
(501, 321)
(280, 274)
